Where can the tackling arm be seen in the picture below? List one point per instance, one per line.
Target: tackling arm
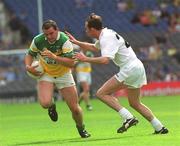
(82, 45)
(86, 46)
(97, 60)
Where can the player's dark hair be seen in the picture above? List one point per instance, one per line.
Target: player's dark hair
(94, 21)
(48, 24)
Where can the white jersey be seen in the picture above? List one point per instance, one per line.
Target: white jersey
(112, 45)
(132, 71)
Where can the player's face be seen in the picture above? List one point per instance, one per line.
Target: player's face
(51, 34)
(89, 31)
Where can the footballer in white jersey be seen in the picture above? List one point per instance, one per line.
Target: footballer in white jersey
(112, 45)
(131, 76)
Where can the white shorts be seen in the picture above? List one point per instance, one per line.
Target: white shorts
(84, 77)
(132, 74)
(66, 80)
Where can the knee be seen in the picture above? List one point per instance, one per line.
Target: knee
(100, 94)
(135, 105)
(45, 104)
(76, 110)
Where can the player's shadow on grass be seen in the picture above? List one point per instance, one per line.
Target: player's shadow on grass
(73, 140)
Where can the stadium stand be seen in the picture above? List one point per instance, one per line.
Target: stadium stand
(145, 24)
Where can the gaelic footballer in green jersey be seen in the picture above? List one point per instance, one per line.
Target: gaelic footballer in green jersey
(55, 51)
(62, 47)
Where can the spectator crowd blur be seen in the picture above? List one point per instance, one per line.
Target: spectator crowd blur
(161, 58)
(13, 35)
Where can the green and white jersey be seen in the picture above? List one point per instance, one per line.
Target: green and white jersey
(61, 47)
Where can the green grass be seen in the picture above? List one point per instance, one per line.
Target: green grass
(29, 124)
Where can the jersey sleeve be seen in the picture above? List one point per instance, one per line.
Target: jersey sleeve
(109, 46)
(33, 50)
(67, 49)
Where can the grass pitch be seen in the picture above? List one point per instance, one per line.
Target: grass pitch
(29, 125)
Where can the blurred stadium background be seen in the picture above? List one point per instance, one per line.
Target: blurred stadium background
(152, 27)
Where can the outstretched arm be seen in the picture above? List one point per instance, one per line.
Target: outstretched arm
(97, 60)
(83, 45)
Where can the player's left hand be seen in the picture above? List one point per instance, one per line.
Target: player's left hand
(80, 56)
(48, 54)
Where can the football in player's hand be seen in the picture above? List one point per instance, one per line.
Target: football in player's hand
(38, 68)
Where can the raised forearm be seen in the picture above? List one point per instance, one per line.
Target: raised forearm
(65, 61)
(98, 60)
(69, 62)
(86, 46)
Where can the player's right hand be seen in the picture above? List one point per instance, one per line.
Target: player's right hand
(71, 37)
(80, 56)
(32, 70)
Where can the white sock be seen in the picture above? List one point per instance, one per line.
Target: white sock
(157, 125)
(125, 114)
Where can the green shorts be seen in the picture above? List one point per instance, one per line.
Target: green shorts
(66, 80)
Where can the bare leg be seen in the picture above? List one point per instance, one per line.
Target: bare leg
(134, 101)
(85, 93)
(45, 93)
(70, 96)
(105, 93)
